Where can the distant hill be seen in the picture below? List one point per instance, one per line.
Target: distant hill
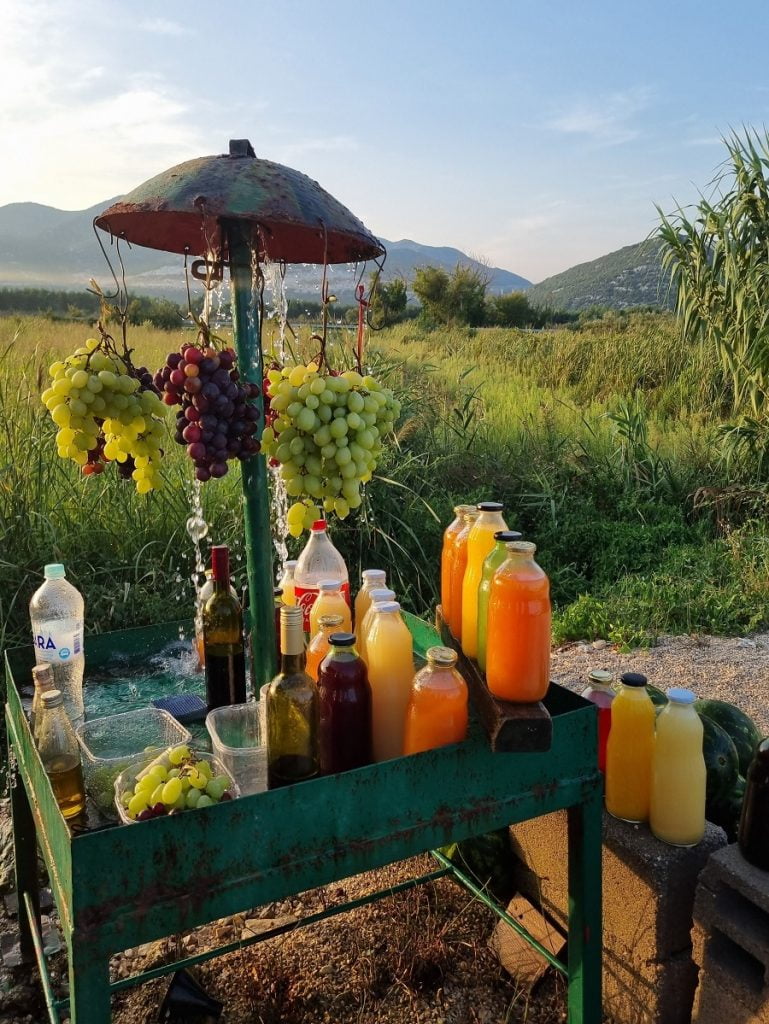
(41, 246)
(628, 277)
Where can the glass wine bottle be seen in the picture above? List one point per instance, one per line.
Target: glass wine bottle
(292, 709)
(60, 754)
(223, 638)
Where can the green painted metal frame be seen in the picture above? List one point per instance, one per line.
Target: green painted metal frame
(169, 875)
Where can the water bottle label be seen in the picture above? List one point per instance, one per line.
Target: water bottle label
(58, 641)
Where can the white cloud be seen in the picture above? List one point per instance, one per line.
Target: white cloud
(163, 27)
(605, 120)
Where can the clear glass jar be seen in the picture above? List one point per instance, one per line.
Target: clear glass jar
(60, 754)
(437, 711)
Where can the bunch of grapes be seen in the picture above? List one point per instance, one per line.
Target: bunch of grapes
(325, 431)
(216, 421)
(177, 781)
(107, 411)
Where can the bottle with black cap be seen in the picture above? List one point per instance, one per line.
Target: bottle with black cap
(292, 709)
(480, 542)
(344, 696)
(630, 749)
(496, 557)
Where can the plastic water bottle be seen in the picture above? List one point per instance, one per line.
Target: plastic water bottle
(320, 560)
(57, 611)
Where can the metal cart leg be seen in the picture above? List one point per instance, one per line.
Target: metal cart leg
(585, 852)
(89, 993)
(24, 855)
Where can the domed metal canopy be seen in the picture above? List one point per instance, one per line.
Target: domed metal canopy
(181, 210)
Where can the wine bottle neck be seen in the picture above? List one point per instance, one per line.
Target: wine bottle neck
(292, 664)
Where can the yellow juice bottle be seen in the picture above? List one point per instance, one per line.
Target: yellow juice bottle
(677, 813)
(629, 750)
(378, 596)
(287, 583)
(373, 579)
(330, 601)
(390, 674)
(480, 544)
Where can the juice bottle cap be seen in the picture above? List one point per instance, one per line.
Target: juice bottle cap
(54, 571)
(342, 639)
(43, 677)
(290, 565)
(507, 536)
(277, 591)
(678, 695)
(330, 621)
(442, 655)
(459, 510)
(600, 677)
(633, 679)
(373, 575)
(387, 606)
(521, 547)
(470, 514)
(319, 526)
(489, 506)
(382, 594)
(52, 698)
(329, 584)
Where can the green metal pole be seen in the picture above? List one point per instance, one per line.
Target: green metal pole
(256, 503)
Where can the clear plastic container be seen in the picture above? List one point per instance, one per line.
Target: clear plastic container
(238, 741)
(126, 781)
(109, 745)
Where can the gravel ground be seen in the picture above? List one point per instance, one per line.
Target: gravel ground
(419, 957)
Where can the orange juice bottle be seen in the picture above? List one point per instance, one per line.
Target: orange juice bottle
(458, 566)
(373, 579)
(390, 674)
(319, 645)
(330, 601)
(378, 596)
(287, 583)
(437, 711)
(518, 628)
(629, 750)
(447, 555)
(496, 557)
(677, 804)
(480, 543)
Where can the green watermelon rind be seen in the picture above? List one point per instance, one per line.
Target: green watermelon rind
(721, 764)
(737, 724)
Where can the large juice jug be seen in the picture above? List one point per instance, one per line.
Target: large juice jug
(378, 596)
(437, 711)
(330, 601)
(373, 579)
(599, 691)
(458, 566)
(319, 645)
(390, 674)
(518, 629)
(677, 808)
(480, 543)
(493, 561)
(629, 750)
(447, 556)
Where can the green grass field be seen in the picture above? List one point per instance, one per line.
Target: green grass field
(603, 442)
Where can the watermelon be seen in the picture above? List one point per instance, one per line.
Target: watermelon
(737, 724)
(659, 700)
(721, 764)
(727, 814)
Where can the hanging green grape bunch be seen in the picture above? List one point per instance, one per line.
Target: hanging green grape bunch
(325, 430)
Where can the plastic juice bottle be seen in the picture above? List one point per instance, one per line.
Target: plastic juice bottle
(319, 646)
(753, 835)
(320, 560)
(518, 629)
(330, 602)
(458, 566)
(447, 555)
(677, 806)
(344, 695)
(437, 711)
(378, 596)
(629, 750)
(372, 579)
(390, 674)
(287, 584)
(480, 543)
(601, 692)
(492, 562)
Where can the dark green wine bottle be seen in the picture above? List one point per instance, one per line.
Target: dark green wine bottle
(224, 659)
(292, 710)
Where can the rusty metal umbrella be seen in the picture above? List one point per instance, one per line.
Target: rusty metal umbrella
(226, 208)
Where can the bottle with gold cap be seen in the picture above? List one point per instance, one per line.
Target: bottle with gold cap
(292, 709)
(437, 711)
(60, 754)
(319, 645)
(42, 676)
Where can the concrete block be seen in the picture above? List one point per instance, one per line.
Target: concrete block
(519, 959)
(638, 991)
(727, 911)
(715, 1005)
(729, 868)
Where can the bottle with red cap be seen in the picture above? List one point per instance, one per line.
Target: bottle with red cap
(225, 663)
(320, 560)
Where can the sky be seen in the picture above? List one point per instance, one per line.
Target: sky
(534, 135)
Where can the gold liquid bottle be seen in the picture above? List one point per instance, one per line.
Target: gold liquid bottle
(60, 754)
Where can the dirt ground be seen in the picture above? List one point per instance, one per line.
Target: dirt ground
(420, 956)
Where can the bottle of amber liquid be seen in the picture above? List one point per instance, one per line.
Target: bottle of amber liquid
(345, 708)
(225, 662)
(42, 676)
(292, 709)
(60, 754)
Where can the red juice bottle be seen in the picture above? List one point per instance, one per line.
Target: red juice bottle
(600, 691)
(344, 694)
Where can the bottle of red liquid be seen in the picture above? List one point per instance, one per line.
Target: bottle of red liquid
(600, 691)
(345, 736)
(320, 560)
